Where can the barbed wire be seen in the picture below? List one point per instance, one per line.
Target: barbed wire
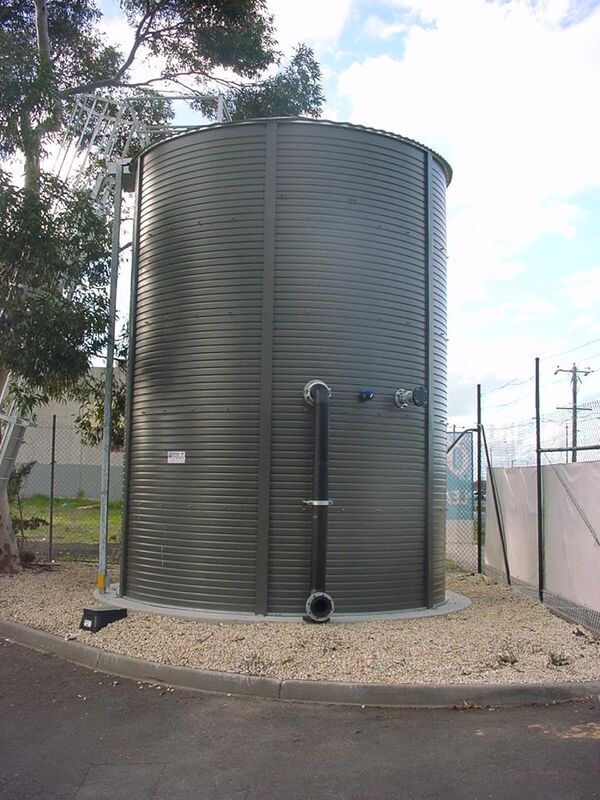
(513, 444)
(572, 349)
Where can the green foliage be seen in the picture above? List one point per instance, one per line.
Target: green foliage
(195, 36)
(22, 524)
(90, 419)
(90, 393)
(30, 85)
(17, 479)
(294, 91)
(75, 519)
(54, 262)
(15, 487)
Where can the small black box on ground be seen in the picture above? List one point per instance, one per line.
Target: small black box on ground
(94, 619)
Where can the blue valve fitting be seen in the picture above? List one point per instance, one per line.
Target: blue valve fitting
(366, 393)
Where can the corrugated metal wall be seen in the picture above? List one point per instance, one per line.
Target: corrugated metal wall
(269, 254)
(191, 532)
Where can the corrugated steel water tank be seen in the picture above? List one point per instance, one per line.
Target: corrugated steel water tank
(269, 253)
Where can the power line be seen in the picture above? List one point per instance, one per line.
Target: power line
(518, 381)
(521, 397)
(573, 349)
(512, 382)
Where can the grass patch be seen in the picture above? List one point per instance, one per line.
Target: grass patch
(76, 519)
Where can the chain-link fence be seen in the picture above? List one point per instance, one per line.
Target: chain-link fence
(461, 519)
(55, 490)
(543, 524)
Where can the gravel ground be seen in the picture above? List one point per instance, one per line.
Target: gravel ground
(503, 637)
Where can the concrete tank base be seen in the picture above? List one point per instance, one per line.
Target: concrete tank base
(454, 602)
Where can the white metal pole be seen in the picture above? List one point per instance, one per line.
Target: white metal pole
(117, 170)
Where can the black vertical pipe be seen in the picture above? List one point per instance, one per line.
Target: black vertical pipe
(574, 413)
(319, 605)
(320, 509)
(52, 463)
(479, 487)
(539, 483)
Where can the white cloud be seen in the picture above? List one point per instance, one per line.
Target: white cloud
(586, 323)
(505, 97)
(376, 27)
(504, 91)
(581, 290)
(318, 23)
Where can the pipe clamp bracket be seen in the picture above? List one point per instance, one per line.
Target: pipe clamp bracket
(307, 391)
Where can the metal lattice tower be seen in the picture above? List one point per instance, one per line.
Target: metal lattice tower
(101, 128)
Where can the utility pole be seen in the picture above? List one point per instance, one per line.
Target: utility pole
(575, 379)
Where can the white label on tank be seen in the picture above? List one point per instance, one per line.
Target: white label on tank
(175, 456)
(87, 623)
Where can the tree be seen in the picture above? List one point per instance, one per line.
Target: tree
(55, 246)
(90, 395)
(293, 91)
(54, 258)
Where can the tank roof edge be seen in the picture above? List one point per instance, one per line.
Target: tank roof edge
(311, 121)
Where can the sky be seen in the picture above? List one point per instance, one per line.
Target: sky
(506, 91)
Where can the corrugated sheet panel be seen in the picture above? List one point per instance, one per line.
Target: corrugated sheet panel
(350, 307)
(440, 381)
(192, 527)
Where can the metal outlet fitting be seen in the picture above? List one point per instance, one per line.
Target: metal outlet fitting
(415, 397)
(319, 607)
(307, 391)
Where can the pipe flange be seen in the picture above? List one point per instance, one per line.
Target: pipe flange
(307, 391)
(319, 607)
(415, 397)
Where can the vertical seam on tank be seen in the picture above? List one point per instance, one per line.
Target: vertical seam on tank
(266, 385)
(130, 369)
(429, 408)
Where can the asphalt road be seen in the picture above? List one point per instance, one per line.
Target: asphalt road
(67, 732)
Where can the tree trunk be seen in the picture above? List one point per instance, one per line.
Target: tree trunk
(10, 560)
(32, 134)
(41, 27)
(32, 163)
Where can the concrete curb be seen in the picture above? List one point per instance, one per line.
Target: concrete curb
(326, 692)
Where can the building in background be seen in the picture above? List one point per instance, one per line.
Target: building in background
(77, 465)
